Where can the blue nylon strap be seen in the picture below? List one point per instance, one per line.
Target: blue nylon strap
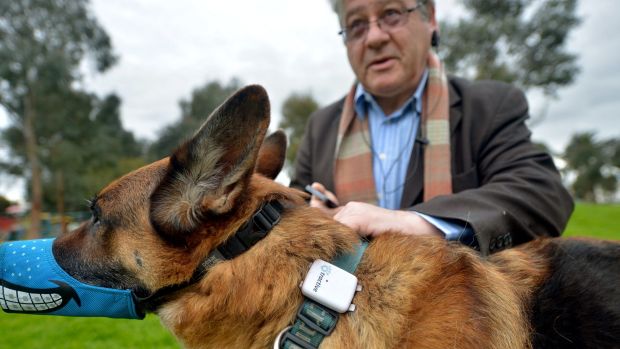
(350, 261)
(314, 322)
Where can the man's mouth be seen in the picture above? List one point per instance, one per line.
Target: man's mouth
(381, 63)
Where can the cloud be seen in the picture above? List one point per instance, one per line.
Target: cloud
(592, 102)
(169, 48)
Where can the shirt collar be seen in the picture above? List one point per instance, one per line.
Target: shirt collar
(364, 100)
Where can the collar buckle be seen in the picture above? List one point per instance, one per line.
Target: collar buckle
(314, 323)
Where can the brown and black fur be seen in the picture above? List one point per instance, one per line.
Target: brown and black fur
(152, 228)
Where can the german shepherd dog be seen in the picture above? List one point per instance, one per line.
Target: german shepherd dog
(152, 229)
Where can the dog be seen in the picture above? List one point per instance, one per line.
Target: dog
(152, 229)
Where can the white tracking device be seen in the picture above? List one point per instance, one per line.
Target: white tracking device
(330, 286)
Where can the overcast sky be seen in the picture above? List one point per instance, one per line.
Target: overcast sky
(168, 48)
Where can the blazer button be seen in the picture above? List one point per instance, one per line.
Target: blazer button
(500, 242)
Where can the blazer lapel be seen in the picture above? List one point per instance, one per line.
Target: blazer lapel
(455, 108)
(415, 170)
(331, 137)
(415, 175)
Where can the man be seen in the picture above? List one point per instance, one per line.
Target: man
(408, 150)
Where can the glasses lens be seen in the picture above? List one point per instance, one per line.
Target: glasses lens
(357, 31)
(389, 19)
(392, 18)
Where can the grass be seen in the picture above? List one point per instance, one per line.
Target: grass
(60, 332)
(55, 332)
(598, 221)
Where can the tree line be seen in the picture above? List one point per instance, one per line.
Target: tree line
(68, 142)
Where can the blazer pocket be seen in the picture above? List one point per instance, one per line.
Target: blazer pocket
(465, 180)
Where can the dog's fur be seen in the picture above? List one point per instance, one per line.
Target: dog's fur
(152, 228)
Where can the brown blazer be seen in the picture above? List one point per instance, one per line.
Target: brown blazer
(507, 189)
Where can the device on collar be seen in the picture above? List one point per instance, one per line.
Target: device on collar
(330, 286)
(32, 282)
(329, 289)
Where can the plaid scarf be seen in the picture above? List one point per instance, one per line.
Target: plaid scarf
(353, 176)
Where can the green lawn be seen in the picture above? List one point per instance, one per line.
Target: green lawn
(59, 332)
(599, 221)
(54, 332)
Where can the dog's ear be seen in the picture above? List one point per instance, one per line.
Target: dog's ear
(271, 155)
(208, 172)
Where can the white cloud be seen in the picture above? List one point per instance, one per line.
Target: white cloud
(169, 48)
(592, 102)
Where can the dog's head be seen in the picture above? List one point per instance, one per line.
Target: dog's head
(151, 228)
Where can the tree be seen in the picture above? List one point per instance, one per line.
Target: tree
(594, 165)
(613, 147)
(295, 112)
(109, 152)
(42, 45)
(204, 100)
(517, 41)
(77, 161)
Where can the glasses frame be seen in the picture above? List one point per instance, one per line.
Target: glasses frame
(379, 21)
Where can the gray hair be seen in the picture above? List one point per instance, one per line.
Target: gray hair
(338, 7)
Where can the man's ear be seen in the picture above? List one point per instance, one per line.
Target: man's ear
(208, 172)
(271, 155)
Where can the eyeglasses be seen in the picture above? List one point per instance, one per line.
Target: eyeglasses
(388, 20)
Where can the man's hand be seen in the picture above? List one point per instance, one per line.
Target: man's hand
(370, 220)
(316, 202)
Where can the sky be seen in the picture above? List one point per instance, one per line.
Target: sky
(169, 48)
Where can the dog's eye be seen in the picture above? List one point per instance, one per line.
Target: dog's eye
(94, 210)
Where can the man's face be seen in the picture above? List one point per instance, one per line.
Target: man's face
(389, 63)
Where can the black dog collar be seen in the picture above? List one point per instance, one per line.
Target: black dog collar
(252, 231)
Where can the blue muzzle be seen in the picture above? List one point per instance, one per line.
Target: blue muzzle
(32, 282)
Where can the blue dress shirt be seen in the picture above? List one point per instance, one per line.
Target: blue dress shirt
(392, 139)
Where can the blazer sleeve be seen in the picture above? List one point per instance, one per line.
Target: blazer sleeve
(315, 156)
(519, 195)
(302, 174)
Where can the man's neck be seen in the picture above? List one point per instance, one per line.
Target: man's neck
(390, 104)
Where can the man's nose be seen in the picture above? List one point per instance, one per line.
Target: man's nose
(376, 36)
